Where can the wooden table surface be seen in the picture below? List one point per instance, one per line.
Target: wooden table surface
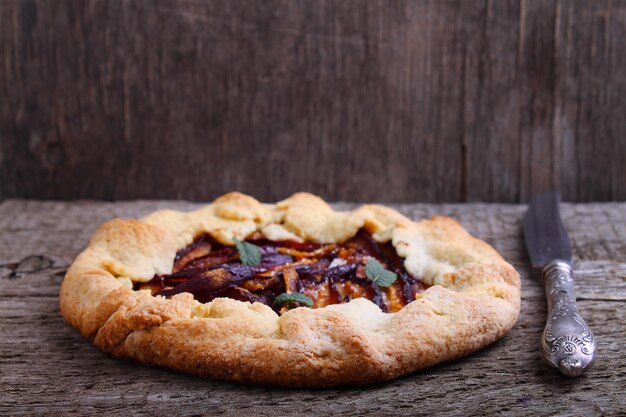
(48, 368)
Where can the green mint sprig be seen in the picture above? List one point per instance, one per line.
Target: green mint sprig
(249, 254)
(378, 274)
(293, 298)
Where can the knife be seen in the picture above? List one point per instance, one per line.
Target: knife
(567, 342)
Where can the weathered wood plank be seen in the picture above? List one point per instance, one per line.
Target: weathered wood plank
(37, 349)
(588, 79)
(370, 101)
(505, 377)
(596, 231)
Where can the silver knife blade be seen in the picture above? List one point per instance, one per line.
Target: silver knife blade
(545, 235)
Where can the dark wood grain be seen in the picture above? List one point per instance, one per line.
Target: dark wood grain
(396, 101)
(47, 368)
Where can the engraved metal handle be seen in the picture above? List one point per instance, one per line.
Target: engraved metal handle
(567, 342)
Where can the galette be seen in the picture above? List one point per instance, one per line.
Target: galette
(292, 294)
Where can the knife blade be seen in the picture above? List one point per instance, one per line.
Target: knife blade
(567, 342)
(546, 237)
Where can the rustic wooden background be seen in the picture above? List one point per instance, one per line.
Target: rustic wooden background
(391, 101)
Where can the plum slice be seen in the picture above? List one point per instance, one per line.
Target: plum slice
(327, 273)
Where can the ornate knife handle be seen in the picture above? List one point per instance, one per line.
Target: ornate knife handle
(567, 342)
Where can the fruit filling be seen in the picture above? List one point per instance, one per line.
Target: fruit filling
(288, 274)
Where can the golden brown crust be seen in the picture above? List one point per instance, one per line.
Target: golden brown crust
(473, 301)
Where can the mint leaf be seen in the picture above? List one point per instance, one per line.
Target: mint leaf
(293, 298)
(378, 274)
(248, 253)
